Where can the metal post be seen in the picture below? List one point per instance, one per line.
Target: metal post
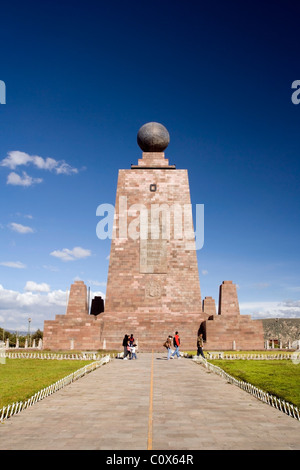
(29, 321)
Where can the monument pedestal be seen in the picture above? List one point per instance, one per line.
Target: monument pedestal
(153, 284)
(150, 331)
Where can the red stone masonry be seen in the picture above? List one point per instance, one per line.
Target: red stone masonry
(75, 330)
(228, 299)
(77, 304)
(230, 330)
(153, 284)
(209, 306)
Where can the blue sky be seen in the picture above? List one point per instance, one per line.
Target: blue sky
(82, 78)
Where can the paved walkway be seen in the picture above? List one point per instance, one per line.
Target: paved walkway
(153, 404)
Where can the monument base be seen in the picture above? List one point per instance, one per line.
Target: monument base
(77, 330)
(151, 331)
(64, 334)
(237, 332)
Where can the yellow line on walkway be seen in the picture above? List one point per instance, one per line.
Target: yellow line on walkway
(150, 419)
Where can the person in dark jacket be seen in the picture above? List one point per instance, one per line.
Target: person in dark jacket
(125, 344)
(200, 345)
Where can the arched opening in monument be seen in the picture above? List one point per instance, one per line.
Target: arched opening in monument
(202, 329)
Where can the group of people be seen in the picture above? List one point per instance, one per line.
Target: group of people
(170, 343)
(175, 342)
(129, 347)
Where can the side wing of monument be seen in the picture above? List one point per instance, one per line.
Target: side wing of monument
(76, 329)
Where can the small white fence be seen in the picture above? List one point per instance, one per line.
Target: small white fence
(223, 355)
(281, 405)
(35, 355)
(10, 410)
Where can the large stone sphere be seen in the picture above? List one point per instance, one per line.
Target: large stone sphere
(153, 137)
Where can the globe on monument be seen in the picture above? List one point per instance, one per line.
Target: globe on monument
(153, 137)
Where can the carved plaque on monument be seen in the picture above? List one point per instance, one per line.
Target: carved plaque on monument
(153, 256)
(153, 290)
(153, 250)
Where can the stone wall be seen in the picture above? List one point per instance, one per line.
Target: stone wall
(75, 330)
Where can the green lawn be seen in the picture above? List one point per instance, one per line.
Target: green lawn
(279, 377)
(22, 378)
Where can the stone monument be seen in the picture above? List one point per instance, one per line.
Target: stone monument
(153, 284)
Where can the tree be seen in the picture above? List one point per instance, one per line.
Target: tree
(37, 335)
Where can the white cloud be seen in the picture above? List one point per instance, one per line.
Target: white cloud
(20, 228)
(64, 168)
(284, 309)
(204, 272)
(16, 307)
(71, 255)
(26, 216)
(13, 264)
(16, 158)
(25, 180)
(32, 286)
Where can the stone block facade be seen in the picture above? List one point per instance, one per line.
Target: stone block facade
(228, 299)
(76, 329)
(229, 329)
(80, 331)
(209, 306)
(153, 284)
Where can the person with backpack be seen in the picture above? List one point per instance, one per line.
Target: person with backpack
(168, 345)
(176, 343)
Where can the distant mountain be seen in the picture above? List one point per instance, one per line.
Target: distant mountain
(284, 329)
(20, 333)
